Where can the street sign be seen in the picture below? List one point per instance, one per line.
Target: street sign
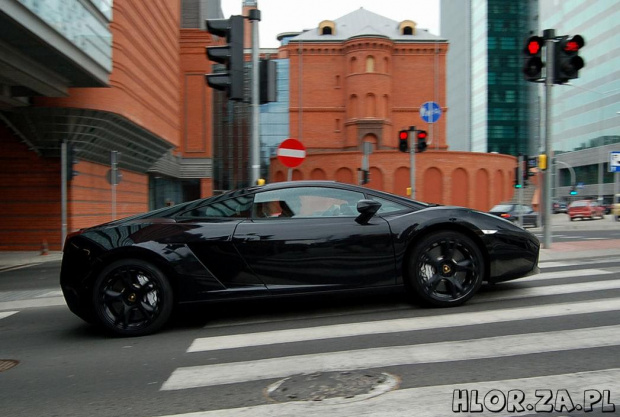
(291, 153)
(430, 112)
(614, 161)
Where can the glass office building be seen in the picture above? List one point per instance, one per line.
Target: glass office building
(586, 123)
(488, 98)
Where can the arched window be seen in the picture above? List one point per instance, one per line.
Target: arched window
(327, 27)
(370, 64)
(407, 27)
(353, 65)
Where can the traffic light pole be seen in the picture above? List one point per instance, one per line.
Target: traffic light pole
(520, 190)
(549, 36)
(412, 148)
(255, 141)
(63, 192)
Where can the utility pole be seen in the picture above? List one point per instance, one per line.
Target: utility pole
(549, 36)
(412, 149)
(255, 140)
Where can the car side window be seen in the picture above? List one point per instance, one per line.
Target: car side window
(388, 206)
(238, 206)
(306, 202)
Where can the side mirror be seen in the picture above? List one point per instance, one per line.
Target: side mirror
(366, 209)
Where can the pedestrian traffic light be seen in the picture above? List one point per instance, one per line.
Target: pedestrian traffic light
(532, 52)
(421, 136)
(231, 55)
(71, 161)
(517, 181)
(403, 141)
(365, 176)
(525, 171)
(567, 61)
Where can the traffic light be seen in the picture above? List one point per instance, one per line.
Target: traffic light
(403, 141)
(567, 62)
(532, 52)
(421, 136)
(573, 190)
(517, 182)
(542, 162)
(268, 81)
(71, 161)
(231, 55)
(365, 176)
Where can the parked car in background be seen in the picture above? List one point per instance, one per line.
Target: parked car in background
(559, 207)
(585, 209)
(511, 212)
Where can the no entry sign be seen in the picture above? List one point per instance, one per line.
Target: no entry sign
(291, 153)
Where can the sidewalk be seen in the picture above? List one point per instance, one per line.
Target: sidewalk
(9, 260)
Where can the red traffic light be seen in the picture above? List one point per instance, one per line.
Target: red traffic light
(573, 44)
(533, 45)
(403, 135)
(422, 134)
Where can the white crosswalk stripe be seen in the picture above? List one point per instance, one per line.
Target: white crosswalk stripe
(401, 325)
(227, 373)
(432, 401)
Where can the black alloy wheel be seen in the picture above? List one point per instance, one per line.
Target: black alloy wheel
(445, 269)
(132, 298)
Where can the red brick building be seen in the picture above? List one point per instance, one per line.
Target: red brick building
(362, 78)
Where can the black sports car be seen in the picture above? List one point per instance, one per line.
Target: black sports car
(281, 239)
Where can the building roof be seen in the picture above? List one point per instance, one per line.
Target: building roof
(362, 22)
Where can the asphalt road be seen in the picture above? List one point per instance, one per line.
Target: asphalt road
(552, 339)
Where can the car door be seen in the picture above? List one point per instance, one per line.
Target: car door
(209, 230)
(306, 238)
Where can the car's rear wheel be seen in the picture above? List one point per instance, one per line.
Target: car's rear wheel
(445, 269)
(132, 297)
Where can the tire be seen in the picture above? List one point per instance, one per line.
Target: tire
(445, 269)
(132, 297)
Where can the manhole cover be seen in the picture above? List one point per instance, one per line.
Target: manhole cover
(6, 364)
(350, 385)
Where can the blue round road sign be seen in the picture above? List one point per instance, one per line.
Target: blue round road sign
(430, 112)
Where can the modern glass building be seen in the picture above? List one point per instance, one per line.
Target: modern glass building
(586, 123)
(488, 99)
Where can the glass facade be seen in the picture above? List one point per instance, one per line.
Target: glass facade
(585, 120)
(500, 97)
(76, 22)
(274, 118)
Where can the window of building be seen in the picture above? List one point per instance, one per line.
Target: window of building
(370, 64)
(407, 27)
(327, 27)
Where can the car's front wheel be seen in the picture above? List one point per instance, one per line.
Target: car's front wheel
(132, 297)
(445, 269)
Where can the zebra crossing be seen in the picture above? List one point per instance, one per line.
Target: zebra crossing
(257, 351)
(564, 279)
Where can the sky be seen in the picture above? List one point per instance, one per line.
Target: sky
(279, 16)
